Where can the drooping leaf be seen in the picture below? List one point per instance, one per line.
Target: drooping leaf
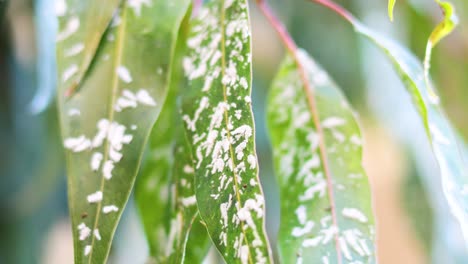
(165, 191)
(326, 213)
(106, 122)
(441, 134)
(443, 29)
(82, 24)
(391, 6)
(220, 129)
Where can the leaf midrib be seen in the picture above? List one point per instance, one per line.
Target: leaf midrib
(310, 97)
(117, 62)
(226, 117)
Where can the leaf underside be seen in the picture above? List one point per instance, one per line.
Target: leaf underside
(106, 122)
(308, 233)
(442, 30)
(220, 129)
(440, 132)
(165, 192)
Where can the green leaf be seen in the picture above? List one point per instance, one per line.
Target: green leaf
(105, 124)
(220, 130)
(443, 29)
(441, 134)
(165, 191)
(326, 213)
(391, 6)
(188, 247)
(82, 24)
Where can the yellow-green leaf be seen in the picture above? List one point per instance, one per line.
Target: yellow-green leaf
(443, 29)
(391, 6)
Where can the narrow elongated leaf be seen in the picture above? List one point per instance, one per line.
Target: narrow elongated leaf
(166, 195)
(82, 24)
(440, 132)
(191, 242)
(441, 31)
(106, 123)
(165, 191)
(326, 214)
(220, 130)
(391, 6)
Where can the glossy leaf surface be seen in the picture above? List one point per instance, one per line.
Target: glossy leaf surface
(441, 134)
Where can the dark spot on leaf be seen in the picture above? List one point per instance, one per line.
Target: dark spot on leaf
(84, 215)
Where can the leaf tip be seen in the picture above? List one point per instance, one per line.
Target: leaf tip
(391, 6)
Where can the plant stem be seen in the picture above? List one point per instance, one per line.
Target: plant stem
(309, 91)
(197, 4)
(336, 8)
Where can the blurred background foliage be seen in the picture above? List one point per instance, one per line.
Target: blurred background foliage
(413, 223)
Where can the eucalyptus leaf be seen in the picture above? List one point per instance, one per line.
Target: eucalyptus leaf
(218, 120)
(165, 191)
(391, 6)
(440, 133)
(106, 123)
(326, 214)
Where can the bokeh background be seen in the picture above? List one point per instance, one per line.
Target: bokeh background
(413, 223)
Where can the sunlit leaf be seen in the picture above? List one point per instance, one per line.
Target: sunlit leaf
(220, 129)
(441, 31)
(391, 6)
(326, 213)
(441, 134)
(106, 122)
(82, 24)
(165, 191)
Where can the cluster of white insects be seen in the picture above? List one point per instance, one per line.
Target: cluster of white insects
(109, 133)
(224, 146)
(222, 132)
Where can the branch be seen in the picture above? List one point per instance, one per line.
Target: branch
(197, 4)
(336, 8)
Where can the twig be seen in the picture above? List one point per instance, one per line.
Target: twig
(309, 91)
